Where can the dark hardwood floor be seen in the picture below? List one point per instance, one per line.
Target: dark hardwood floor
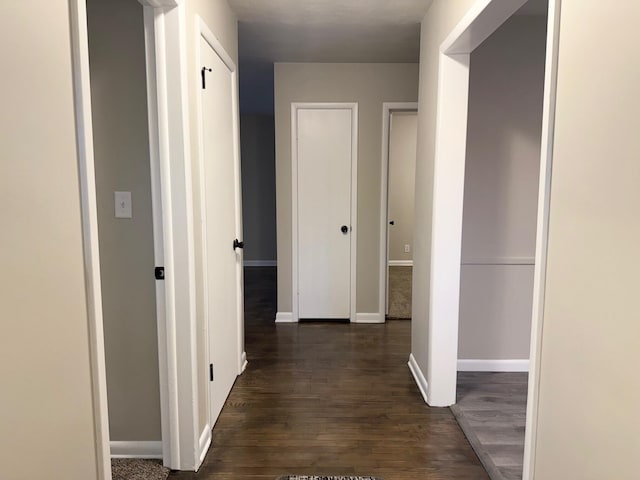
(323, 398)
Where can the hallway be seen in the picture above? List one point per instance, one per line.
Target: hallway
(330, 399)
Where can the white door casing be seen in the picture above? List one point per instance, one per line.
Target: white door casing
(324, 153)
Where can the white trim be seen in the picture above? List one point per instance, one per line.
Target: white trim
(89, 210)
(158, 235)
(180, 375)
(295, 106)
(499, 261)
(471, 365)
(383, 276)
(245, 362)
(136, 449)
(419, 377)
(204, 443)
(542, 235)
(446, 233)
(481, 20)
(285, 317)
(400, 263)
(260, 263)
(369, 318)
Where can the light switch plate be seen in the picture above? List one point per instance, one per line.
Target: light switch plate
(123, 204)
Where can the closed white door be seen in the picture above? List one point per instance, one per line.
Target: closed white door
(324, 169)
(219, 187)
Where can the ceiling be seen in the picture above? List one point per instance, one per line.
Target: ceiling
(336, 30)
(341, 31)
(330, 30)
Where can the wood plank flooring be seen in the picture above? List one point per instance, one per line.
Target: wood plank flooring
(324, 398)
(491, 410)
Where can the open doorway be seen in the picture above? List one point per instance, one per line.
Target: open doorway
(399, 132)
(454, 121)
(506, 91)
(129, 226)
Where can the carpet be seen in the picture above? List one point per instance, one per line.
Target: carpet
(400, 292)
(315, 477)
(138, 469)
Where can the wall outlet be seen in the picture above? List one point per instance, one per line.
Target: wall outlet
(407, 248)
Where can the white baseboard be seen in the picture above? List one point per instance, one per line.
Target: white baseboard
(493, 365)
(204, 444)
(142, 449)
(418, 376)
(401, 263)
(369, 318)
(284, 317)
(260, 263)
(243, 362)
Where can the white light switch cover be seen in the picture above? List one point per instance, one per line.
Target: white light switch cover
(123, 204)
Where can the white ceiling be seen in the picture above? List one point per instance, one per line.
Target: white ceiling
(330, 30)
(336, 30)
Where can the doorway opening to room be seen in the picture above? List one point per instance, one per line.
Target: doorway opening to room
(399, 142)
(489, 232)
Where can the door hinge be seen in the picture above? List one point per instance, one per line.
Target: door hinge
(159, 273)
(203, 72)
(211, 372)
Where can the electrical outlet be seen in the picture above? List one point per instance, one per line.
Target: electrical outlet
(407, 248)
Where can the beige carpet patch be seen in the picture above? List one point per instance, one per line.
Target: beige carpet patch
(138, 469)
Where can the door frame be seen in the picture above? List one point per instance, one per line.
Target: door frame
(295, 106)
(387, 109)
(202, 31)
(482, 19)
(169, 137)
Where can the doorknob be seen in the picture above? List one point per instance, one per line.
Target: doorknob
(392, 222)
(237, 244)
(344, 229)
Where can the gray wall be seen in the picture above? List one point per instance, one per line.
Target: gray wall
(589, 390)
(402, 169)
(370, 85)
(257, 136)
(501, 191)
(46, 405)
(121, 148)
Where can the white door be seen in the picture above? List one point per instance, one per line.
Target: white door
(219, 197)
(324, 166)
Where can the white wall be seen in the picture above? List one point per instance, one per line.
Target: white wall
(588, 420)
(370, 85)
(402, 169)
(257, 135)
(121, 149)
(501, 191)
(46, 411)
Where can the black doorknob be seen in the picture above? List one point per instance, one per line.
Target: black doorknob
(237, 244)
(392, 222)
(344, 229)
